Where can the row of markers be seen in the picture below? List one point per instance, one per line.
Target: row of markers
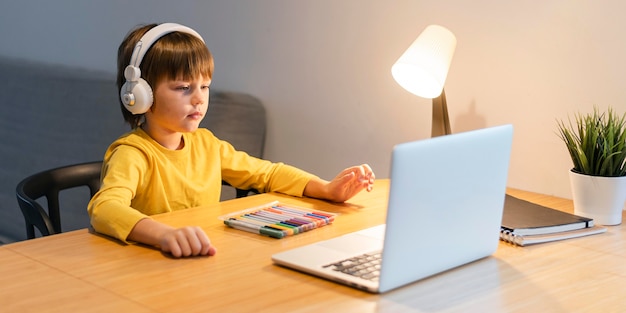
(277, 220)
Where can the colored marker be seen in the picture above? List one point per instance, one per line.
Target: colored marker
(328, 218)
(289, 229)
(253, 228)
(281, 220)
(300, 215)
(277, 221)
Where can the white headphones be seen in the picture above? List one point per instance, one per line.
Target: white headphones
(136, 93)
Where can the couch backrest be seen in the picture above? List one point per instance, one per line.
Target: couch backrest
(50, 116)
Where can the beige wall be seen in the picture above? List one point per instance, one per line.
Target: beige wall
(323, 68)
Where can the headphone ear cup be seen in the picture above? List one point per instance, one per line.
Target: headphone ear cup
(136, 96)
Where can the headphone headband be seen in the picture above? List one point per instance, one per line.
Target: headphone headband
(151, 36)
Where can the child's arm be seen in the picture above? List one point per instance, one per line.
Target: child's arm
(180, 242)
(344, 186)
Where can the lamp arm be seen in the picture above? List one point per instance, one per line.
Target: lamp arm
(441, 120)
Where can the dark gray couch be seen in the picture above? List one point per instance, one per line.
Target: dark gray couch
(52, 116)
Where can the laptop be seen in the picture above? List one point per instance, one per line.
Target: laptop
(446, 198)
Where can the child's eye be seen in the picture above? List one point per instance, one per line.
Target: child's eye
(183, 87)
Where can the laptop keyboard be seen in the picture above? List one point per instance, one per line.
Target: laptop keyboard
(366, 266)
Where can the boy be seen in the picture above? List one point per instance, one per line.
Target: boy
(167, 163)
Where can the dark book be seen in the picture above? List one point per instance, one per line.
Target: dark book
(525, 223)
(523, 218)
(524, 240)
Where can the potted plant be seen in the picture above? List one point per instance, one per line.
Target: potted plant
(596, 143)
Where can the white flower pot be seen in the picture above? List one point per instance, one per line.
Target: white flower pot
(599, 198)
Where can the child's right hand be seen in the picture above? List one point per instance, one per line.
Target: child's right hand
(180, 242)
(186, 241)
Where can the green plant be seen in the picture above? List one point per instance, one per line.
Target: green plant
(596, 143)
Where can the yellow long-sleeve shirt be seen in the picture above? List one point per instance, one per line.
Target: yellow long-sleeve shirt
(141, 178)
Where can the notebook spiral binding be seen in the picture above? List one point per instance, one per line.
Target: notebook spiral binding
(508, 236)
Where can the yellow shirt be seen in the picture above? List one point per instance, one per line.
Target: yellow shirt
(141, 178)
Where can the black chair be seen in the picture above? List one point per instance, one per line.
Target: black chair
(49, 184)
(240, 119)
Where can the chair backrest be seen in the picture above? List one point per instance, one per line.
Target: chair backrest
(49, 184)
(240, 119)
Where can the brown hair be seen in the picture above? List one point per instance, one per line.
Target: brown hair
(174, 56)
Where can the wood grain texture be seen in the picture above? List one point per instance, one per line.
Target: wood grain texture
(583, 274)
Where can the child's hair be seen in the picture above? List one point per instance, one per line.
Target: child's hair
(176, 55)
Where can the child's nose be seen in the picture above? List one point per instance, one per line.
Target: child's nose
(199, 97)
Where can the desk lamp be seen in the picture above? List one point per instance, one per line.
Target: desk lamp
(422, 70)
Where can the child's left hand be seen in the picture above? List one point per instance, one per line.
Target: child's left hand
(344, 186)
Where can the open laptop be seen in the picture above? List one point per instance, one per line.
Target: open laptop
(445, 208)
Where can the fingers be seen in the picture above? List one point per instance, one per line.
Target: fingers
(366, 176)
(361, 174)
(187, 241)
(349, 182)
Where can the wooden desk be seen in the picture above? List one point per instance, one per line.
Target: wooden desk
(82, 271)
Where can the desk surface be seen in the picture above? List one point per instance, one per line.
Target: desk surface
(83, 271)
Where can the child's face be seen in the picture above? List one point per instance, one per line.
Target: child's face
(179, 105)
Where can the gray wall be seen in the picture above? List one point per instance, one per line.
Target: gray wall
(323, 68)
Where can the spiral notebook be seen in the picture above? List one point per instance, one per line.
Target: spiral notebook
(525, 223)
(522, 217)
(525, 240)
(444, 210)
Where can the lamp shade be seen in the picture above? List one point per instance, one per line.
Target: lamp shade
(423, 67)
